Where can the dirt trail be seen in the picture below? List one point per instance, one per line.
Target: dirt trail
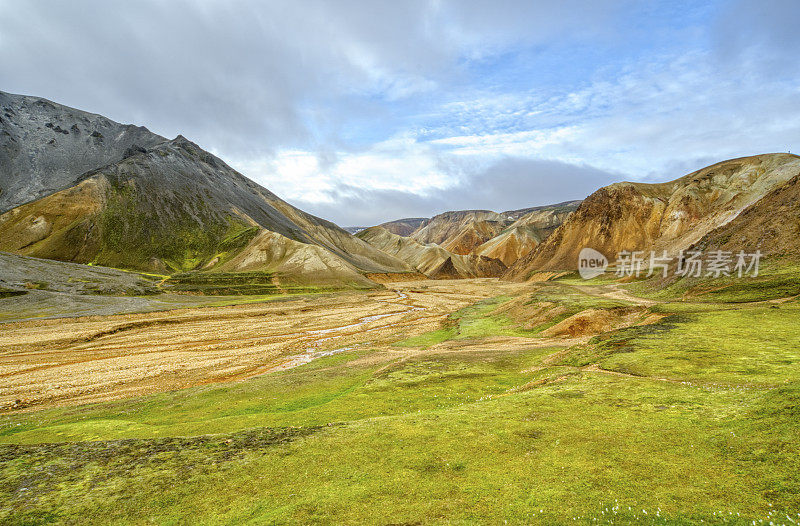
(614, 292)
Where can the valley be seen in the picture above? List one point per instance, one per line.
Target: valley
(470, 399)
(399, 263)
(179, 345)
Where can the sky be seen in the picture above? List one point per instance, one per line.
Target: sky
(368, 111)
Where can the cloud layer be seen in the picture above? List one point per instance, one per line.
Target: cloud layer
(509, 184)
(367, 111)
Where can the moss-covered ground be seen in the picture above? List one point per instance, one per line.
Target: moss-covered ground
(693, 419)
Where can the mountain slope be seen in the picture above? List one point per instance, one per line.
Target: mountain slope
(46, 147)
(513, 243)
(22, 274)
(545, 219)
(174, 207)
(771, 225)
(460, 231)
(432, 260)
(404, 227)
(524, 235)
(473, 235)
(295, 263)
(666, 216)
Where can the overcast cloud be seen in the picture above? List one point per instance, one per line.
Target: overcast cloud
(365, 111)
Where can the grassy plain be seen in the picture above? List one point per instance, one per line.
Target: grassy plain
(687, 414)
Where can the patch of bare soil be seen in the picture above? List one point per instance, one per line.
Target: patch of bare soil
(95, 358)
(393, 277)
(614, 292)
(590, 322)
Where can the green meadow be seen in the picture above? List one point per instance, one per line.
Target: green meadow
(694, 419)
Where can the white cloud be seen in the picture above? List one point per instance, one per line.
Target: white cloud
(663, 114)
(522, 144)
(399, 164)
(659, 120)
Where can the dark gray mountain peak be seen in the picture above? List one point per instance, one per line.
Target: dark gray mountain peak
(46, 147)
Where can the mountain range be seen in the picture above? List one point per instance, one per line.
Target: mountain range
(78, 187)
(726, 204)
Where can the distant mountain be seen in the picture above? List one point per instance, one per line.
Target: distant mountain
(543, 210)
(432, 260)
(667, 216)
(511, 244)
(506, 236)
(78, 187)
(486, 232)
(460, 231)
(404, 227)
(532, 227)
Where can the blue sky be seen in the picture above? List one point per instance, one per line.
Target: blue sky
(363, 112)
